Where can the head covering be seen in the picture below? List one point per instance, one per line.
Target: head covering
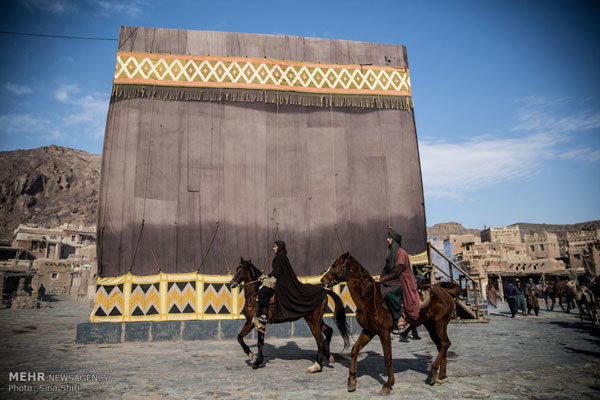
(390, 261)
(281, 246)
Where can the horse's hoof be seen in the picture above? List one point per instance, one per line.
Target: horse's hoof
(331, 359)
(351, 386)
(385, 391)
(251, 356)
(315, 368)
(437, 382)
(256, 365)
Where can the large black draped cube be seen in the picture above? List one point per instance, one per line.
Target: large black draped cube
(301, 139)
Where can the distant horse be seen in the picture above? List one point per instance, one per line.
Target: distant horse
(595, 288)
(375, 320)
(585, 299)
(558, 290)
(247, 275)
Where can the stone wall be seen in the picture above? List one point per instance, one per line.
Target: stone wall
(542, 245)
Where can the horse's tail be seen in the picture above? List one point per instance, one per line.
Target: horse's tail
(339, 316)
(452, 288)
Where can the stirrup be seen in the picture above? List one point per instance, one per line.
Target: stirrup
(260, 326)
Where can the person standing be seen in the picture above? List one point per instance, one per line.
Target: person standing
(531, 297)
(398, 283)
(510, 294)
(41, 292)
(492, 295)
(520, 299)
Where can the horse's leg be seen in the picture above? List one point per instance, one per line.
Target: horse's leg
(364, 338)
(446, 343)
(595, 314)
(248, 326)
(328, 332)
(259, 356)
(314, 323)
(442, 346)
(386, 343)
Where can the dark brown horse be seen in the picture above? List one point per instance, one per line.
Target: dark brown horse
(375, 320)
(559, 291)
(247, 275)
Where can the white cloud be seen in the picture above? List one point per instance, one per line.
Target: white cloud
(452, 169)
(130, 8)
(19, 90)
(91, 108)
(19, 123)
(65, 92)
(585, 154)
(86, 111)
(54, 135)
(53, 6)
(540, 114)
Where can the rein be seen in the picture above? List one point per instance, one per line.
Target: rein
(343, 277)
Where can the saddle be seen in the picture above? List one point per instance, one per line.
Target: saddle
(424, 296)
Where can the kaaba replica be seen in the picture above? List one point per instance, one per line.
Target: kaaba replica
(218, 143)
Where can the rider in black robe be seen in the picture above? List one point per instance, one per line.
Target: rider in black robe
(293, 299)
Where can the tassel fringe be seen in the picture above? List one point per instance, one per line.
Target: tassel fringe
(120, 91)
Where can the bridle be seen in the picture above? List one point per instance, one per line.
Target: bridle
(236, 284)
(342, 277)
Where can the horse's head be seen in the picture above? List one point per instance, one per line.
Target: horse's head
(572, 285)
(245, 272)
(336, 272)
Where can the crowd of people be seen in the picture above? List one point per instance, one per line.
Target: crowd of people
(519, 297)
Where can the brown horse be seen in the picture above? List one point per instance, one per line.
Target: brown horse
(247, 275)
(585, 299)
(375, 320)
(561, 291)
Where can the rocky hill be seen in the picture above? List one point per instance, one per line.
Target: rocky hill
(47, 186)
(443, 230)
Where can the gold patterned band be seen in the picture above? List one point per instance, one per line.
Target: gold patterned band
(260, 73)
(180, 297)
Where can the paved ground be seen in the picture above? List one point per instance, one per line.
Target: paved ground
(545, 357)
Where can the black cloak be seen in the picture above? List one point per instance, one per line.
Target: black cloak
(293, 299)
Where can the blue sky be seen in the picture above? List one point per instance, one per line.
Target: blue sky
(507, 93)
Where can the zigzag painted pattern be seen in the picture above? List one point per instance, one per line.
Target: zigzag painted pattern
(183, 299)
(217, 297)
(145, 298)
(109, 302)
(347, 299)
(259, 73)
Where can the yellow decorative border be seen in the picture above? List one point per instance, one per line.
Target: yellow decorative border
(121, 299)
(260, 73)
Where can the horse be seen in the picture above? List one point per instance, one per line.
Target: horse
(584, 298)
(247, 275)
(558, 290)
(375, 320)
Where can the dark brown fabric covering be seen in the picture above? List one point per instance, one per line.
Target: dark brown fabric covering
(183, 165)
(293, 299)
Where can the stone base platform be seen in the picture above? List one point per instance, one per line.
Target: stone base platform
(121, 332)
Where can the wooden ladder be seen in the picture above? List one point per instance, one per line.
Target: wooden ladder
(472, 284)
